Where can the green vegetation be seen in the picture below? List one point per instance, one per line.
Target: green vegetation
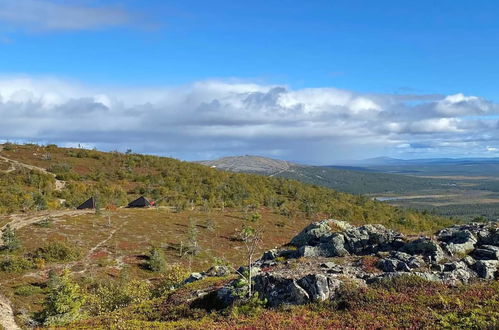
(157, 261)
(358, 182)
(57, 251)
(114, 178)
(63, 303)
(23, 190)
(405, 302)
(10, 240)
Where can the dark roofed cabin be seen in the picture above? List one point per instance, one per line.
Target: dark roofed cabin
(140, 202)
(88, 204)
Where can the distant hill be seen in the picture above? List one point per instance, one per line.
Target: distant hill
(250, 164)
(351, 180)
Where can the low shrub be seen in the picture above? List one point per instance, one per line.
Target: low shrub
(57, 251)
(15, 264)
(170, 280)
(107, 296)
(28, 290)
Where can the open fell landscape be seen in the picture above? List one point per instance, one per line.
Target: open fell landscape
(459, 188)
(264, 164)
(165, 266)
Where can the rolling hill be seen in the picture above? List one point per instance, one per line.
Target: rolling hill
(346, 180)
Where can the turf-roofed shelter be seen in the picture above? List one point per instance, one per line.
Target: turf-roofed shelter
(140, 202)
(88, 204)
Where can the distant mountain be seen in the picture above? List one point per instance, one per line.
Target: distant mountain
(250, 164)
(352, 180)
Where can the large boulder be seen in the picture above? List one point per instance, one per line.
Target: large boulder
(279, 290)
(312, 234)
(392, 265)
(193, 277)
(218, 271)
(489, 236)
(487, 252)
(369, 239)
(487, 269)
(457, 239)
(319, 287)
(426, 247)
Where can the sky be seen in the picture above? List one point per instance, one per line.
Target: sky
(309, 81)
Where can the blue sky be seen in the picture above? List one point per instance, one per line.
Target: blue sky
(380, 51)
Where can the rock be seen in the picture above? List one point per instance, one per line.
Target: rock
(226, 296)
(329, 265)
(486, 268)
(317, 287)
(244, 270)
(343, 225)
(487, 252)
(426, 247)
(279, 290)
(452, 266)
(332, 268)
(337, 245)
(194, 277)
(312, 234)
(218, 271)
(456, 239)
(437, 267)
(455, 277)
(319, 279)
(313, 251)
(488, 235)
(270, 255)
(392, 265)
(388, 265)
(469, 261)
(415, 262)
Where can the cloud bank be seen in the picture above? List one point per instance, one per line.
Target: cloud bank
(216, 118)
(51, 15)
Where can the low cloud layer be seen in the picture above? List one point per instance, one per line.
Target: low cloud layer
(214, 118)
(53, 15)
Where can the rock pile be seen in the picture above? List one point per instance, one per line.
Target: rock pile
(316, 261)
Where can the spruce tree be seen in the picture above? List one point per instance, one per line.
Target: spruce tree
(63, 303)
(10, 240)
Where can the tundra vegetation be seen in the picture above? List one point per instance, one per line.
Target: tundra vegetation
(132, 268)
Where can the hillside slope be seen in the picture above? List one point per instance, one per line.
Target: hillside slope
(350, 181)
(116, 178)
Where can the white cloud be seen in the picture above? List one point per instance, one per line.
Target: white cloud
(215, 118)
(459, 104)
(60, 15)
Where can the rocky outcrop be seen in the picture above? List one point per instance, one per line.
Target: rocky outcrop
(215, 271)
(335, 238)
(328, 252)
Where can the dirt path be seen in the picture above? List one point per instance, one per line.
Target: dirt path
(7, 320)
(98, 245)
(14, 164)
